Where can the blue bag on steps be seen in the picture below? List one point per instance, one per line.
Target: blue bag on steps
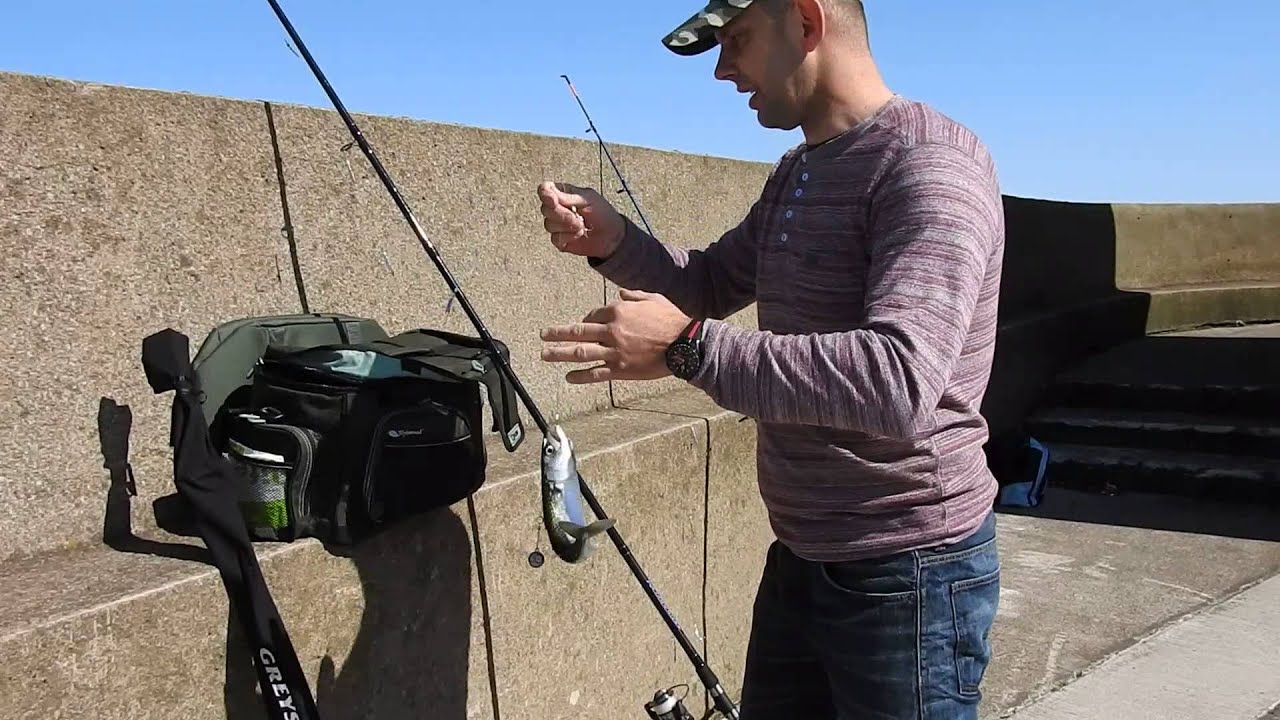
(1028, 492)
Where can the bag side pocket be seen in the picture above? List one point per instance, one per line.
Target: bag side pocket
(420, 458)
(279, 466)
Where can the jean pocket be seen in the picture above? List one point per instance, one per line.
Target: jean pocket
(882, 581)
(973, 610)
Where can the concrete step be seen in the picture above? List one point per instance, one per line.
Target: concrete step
(1202, 475)
(1220, 371)
(1254, 401)
(442, 617)
(1240, 435)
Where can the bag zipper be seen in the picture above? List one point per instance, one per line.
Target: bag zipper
(298, 505)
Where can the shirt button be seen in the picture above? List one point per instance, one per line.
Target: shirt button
(784, 237)
(804, 157)
(790, 213)
(798, 192)
(804, 176)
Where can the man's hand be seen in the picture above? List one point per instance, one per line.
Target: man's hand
(629, 337)
(580, 220)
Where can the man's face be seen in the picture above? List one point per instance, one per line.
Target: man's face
(761, 54)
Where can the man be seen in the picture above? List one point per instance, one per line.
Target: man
(873, 255)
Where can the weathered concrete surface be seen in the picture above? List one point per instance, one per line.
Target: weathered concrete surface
(129, 210)
(125, 211)
(474, 194)
(1181, 307)
(395, 629)
(400, 626)
(583, 641)
(1259, 331)
(1222, 663)
(738, 532)
(1082, 277)
(1163, 245)
(1086, 576)
(120, 212)
(1229, 357)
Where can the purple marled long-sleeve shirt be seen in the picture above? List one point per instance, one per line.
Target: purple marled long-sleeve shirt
(874, 260)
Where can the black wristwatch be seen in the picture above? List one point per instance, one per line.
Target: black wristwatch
(684, 354)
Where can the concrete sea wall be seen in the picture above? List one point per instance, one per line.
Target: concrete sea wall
(124, 211)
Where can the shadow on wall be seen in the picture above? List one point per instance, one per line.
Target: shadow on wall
(411, 653)
(410, 656)
(1197, 421)
(1058, 304)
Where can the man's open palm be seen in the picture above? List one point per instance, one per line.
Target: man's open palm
(627, 337)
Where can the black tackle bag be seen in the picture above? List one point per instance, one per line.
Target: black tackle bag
(338, 441)
(334, 441)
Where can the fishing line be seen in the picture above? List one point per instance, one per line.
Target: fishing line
(603, 152)
(591, 127)
(604, 283)
(705, 673)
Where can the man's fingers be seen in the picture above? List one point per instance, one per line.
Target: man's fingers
(559, 217)
(577, 332)
(559, 200)
(599, 373)
(626, 294)
(571, 195)
(562, 240)
(578, 353)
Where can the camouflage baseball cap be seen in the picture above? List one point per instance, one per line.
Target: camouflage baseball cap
(697, 34)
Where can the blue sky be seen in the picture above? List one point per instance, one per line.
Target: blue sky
(1130, 101)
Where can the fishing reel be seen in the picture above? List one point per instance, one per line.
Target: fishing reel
(666, 706)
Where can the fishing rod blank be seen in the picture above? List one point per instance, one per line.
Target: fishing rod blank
(705, 673)
(592, 127)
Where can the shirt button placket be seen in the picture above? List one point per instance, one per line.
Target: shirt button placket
(799, 192)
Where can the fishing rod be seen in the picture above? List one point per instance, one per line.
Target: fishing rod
(665, 705)
(591, 126)
(705, 674)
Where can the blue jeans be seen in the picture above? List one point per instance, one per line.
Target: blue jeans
(903, 637)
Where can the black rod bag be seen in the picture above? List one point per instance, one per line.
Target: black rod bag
(205, 479)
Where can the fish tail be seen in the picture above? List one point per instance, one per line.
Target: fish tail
(582, 532)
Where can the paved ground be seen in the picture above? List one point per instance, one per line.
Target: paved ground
(1222, 663)
(1086, 577)
(1153, 608)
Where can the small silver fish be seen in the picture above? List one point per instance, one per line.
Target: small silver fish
(570, 535)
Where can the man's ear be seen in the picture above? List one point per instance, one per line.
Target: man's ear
(813, 23)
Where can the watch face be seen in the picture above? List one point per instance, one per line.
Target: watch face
(683, 359)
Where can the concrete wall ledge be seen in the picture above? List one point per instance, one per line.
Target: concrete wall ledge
(403, 627)
(1033, 347)
(1183, 307)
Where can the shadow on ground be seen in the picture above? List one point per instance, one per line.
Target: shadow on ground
(1157, 512)
(410, 657)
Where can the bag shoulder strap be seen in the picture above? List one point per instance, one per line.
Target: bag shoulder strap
(207, 482)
